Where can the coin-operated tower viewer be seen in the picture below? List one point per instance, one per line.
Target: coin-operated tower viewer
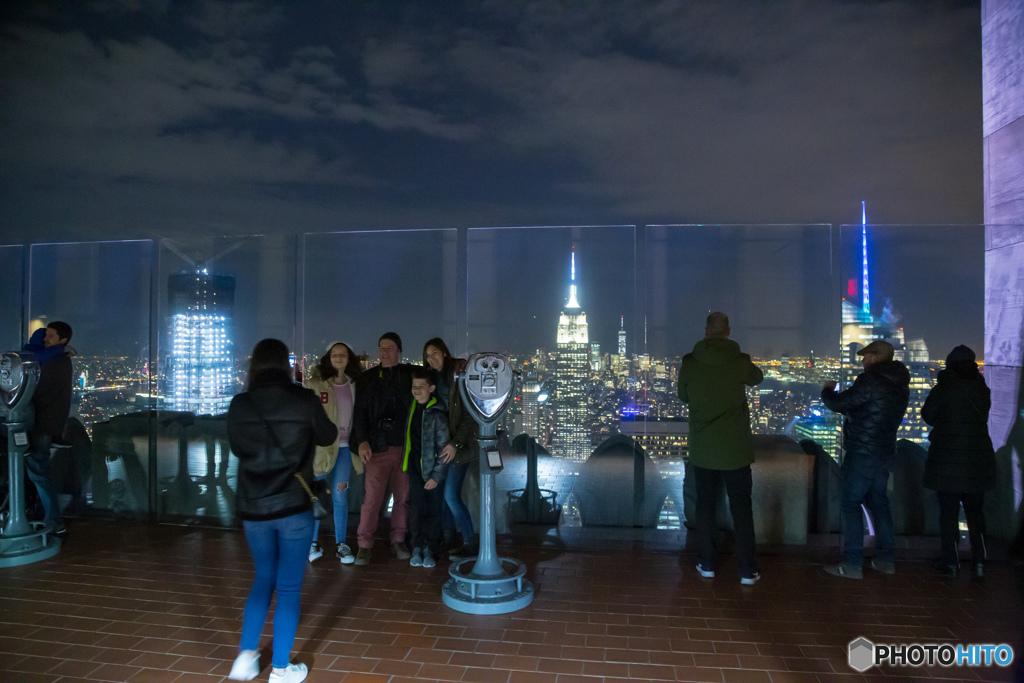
(487, 584)
(21, 541)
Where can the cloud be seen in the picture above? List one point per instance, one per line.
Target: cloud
(625, 111)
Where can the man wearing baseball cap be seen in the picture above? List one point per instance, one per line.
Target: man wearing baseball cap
(874, 408)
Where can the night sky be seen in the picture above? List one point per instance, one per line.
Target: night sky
(192, 120)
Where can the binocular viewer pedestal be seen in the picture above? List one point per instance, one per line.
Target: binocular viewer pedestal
(21, 541)
(487, 584)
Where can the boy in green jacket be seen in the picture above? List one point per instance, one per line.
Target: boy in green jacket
(713, 381)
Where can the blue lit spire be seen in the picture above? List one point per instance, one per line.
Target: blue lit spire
(864, 257)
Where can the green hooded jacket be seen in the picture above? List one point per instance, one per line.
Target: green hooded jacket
(713, 381)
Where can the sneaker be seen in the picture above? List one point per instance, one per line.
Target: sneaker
(467, 549)
(59, 528)
(428, 559)
(979, 570)
(400, 550)
(884, 566)
(246, 667)
(845, 571)
(417, 558)
(315, 551)
(363, 556)
(293, 673)
(345, 554)
(706, 573)
(750, 580)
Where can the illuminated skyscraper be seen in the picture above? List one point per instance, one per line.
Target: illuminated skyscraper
(622, 336)
(201, 372)
(531, 408)
(572, 372)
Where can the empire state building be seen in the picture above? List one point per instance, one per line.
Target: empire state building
(571, 438)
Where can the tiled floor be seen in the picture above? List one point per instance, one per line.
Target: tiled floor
(133, 602)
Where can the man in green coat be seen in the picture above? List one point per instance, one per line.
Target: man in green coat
(713, 380)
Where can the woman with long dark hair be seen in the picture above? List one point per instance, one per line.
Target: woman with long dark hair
(961, 462)
(333, 380)
(273, 428)
(463, 449)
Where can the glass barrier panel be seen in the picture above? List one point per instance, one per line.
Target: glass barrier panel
(922, 289)
(217, 297)
(102, 290)
(561, 302)
(356, 286)
(777, 285)
(12, 276)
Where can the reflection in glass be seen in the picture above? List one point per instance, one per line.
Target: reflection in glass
(102, 289)
(886, 297)
(777, 285)
(12, 271)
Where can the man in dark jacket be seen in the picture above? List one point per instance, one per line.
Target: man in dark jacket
(52, 403)
(383, 398)
(874, 408)
(713, 381)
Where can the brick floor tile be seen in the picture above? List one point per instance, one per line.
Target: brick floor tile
(397, 668)
(472, 659)
(476, 675)
(114, 672)
(441, 672)
(698, 674)
(605, 669)
(74, 668)
(493, 647)
(532, 677)
(559, 666)
(428, 656)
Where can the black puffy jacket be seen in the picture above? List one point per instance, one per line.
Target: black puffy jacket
(961, 457)
(874, 408)
(383, 398)
(268, 460)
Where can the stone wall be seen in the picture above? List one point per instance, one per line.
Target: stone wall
(1002, 28)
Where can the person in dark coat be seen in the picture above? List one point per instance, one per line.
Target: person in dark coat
(52, 403)
(713, 382)
(961, 463)
(273, 429)
(874, 407)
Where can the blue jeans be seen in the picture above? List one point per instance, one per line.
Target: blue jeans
(280, 551)
(455, 513)
(37, 466)
(866, 483)
(338, 475)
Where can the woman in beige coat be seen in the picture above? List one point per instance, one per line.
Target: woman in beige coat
(333, 381)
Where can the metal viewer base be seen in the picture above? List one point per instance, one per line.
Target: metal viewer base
(27, 548)
(472, 594)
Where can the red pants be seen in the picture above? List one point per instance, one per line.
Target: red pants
(382, 468)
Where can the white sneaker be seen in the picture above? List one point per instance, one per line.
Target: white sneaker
(428, 559)
(315, 551)
(246, 667)
(345, 554)
(417, 558)
(293, 673)
(751, 580)
(706, 573)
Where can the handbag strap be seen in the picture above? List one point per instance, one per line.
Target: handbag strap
(273, 435)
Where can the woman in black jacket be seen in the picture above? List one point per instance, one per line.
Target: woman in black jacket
(961, 463)
(273, 429)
